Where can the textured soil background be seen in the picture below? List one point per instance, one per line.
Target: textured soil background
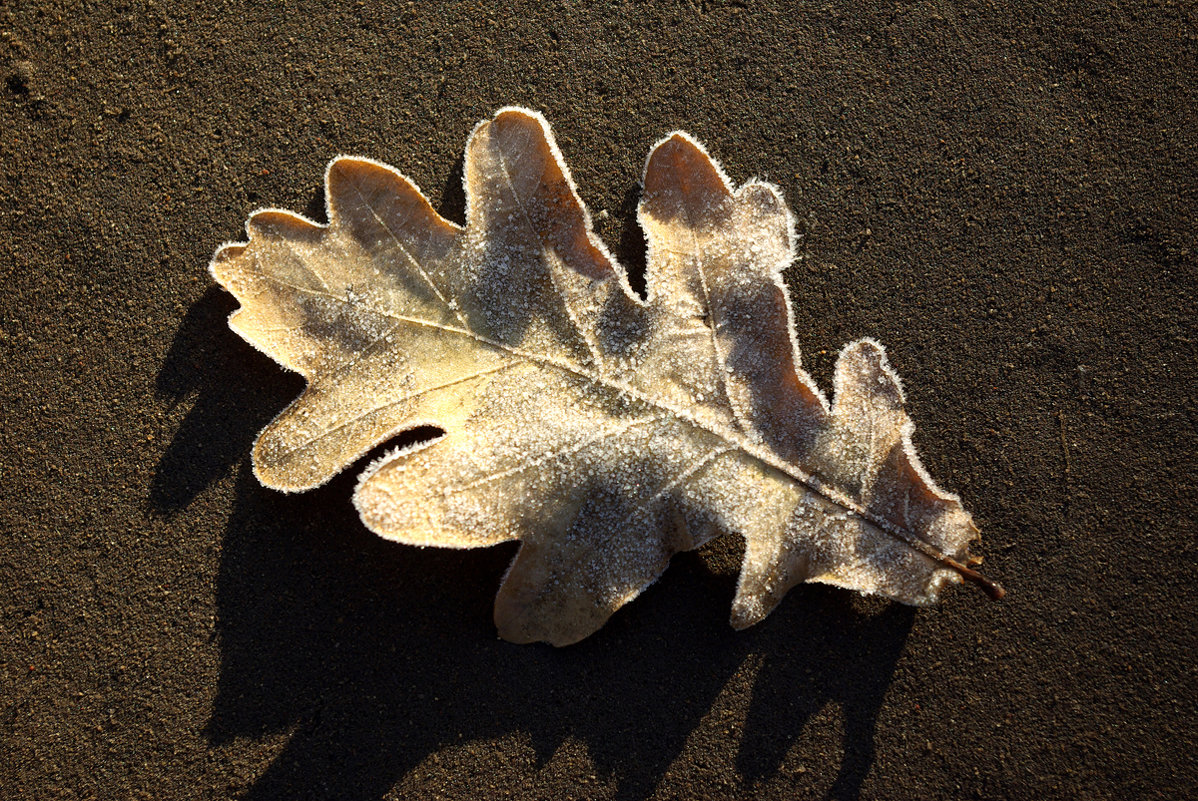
(1006, 199)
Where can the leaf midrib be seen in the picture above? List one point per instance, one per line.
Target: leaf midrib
(735, 440)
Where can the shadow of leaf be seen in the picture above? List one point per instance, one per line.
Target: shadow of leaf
(631, 250)
(452, 205)
(847, 658)
(375, 656)
(236, 393)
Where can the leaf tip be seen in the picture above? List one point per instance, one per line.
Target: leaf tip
(283, 224)
(680, 171)
(869, 355)
(743, 617)
(520, 115)
(222, 259)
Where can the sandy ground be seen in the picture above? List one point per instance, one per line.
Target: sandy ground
(1007, 200)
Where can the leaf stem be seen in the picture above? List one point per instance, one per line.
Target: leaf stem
(989, 586)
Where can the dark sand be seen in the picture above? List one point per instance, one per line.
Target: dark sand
(1008, 202)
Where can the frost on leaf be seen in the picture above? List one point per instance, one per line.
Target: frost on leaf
(604, 432)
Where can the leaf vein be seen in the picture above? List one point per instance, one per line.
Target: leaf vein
(366, 413)
(571, 450)
(408, 255)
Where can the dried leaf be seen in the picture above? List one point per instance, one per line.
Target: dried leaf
(603, 432)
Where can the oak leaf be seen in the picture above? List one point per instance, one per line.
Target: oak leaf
(603, 432)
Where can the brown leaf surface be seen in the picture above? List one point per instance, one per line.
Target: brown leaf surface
(603, 432)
